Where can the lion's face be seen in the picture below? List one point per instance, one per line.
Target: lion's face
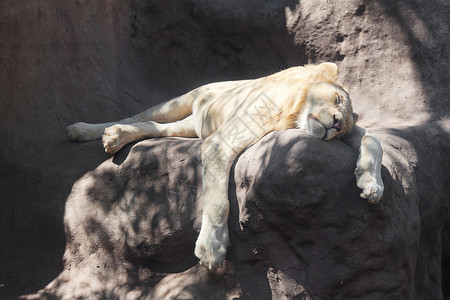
(328, 111)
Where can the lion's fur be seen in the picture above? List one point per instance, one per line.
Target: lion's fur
(227, 115)
(288, 90)
(287, 117)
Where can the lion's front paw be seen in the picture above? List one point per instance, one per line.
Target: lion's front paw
(113, 139)
(373, 192)
(211, 246)
(372, 186)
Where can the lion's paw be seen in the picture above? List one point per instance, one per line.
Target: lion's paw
(372, 188)
(81, 132)
(113, 139)
(211, 247)
(372, 192)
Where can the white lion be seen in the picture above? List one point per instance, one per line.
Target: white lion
(232, 116)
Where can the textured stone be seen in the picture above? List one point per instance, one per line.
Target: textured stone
(298, 226)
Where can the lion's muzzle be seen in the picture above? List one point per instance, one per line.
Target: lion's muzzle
(336, 124)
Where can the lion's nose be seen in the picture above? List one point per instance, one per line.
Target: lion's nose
(336, 124)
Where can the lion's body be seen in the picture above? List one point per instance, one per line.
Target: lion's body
(284, 91)
(233, 115)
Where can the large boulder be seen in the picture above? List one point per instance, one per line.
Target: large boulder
(298, 226)
(76, 222)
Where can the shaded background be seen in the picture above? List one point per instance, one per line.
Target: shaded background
(99, 61)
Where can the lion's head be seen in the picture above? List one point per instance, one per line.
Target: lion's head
(328, 109)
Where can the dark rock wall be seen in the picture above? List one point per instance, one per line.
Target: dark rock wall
(103, 60)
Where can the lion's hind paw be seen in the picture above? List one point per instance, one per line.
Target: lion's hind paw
(112, 139)
(80, 132)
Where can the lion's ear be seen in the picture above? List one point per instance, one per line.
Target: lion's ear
(355, 118)
(329, 70)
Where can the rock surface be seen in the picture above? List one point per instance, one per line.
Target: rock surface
(298, 226)
(125, 226)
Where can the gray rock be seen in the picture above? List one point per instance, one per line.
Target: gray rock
(298, 226)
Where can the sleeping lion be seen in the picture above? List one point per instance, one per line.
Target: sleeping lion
(231, 116)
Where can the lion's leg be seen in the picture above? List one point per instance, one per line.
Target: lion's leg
(170, 111)
(218, 153)
(368, 166)
(118, 135)
(213, 240)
